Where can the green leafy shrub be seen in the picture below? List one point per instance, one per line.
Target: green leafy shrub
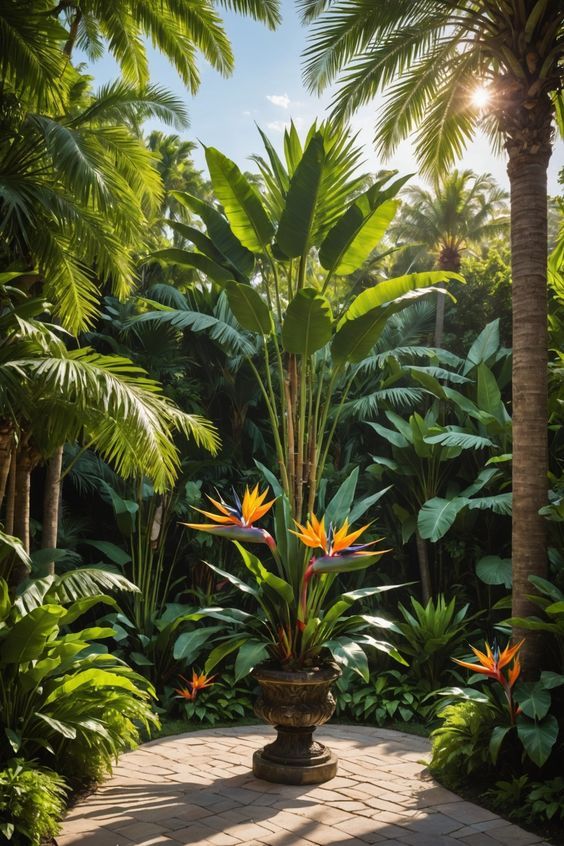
(522, 799)
(32, 800)
(221, 702)
(63, 698)
(430, 634)
(389, 696)
(460, 746)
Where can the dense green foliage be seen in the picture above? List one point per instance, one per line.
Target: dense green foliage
(164, 337)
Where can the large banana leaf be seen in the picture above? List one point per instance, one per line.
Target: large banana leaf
(484, 347)
(308, 323)
(27, 638)
(250, 310)
(294, 231)
(355, 235)
(198, 261)
(437, 516)
(241, 203)
(219, 232)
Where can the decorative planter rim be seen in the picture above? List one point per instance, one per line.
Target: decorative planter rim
(324, 673)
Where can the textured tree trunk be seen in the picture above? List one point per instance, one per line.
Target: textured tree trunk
(529, 153)
(11, 496)
(424, 569)
(51, 501)
(449, 259)
(6, 446)
(23, 491)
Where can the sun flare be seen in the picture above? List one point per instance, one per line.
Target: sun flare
(481, 97)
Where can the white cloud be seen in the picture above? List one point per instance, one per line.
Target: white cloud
(277, 125)
(281, 100)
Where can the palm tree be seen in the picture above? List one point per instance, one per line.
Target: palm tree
(50, 396)
(37, 37)
(76, 190)
(429, 57)
(462, 211)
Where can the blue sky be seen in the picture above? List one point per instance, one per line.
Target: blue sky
(267, 88)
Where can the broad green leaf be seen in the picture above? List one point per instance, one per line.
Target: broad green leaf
(497, 736)
(270, 478)
(538, 739)
(5, 603)
(349, 654)
(308, 323)
(484, 347)
(233, 579)
(395, 438)
(28, 637)
(340, 505)
(356, 234)
(534, 700)
(113, 553)
(550, 680)
(84, 604)
(391, 290)
(58, 726)
(257, 568)
(482, 479)
(241, 202)
(437, 516)
(220, 232)
(488, 393)
(498, 503)
(14, 739)
(250, 654)
(493, 570)
(220, 652)
(294, 233)
(204, 244)
(249, 308)
(362, 506)
(188, 645)
(188, 258)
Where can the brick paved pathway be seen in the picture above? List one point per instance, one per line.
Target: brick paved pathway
(197, 790)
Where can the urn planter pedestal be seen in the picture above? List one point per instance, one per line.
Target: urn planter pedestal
(295, 703)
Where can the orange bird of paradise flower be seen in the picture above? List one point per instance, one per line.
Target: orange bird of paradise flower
(235, 522)
(199, 682)
(493, 663)
(340, 552)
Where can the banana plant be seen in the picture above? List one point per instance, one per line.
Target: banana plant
(275, 253)
(437, 455)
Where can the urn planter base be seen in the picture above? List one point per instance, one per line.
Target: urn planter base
(295, 703)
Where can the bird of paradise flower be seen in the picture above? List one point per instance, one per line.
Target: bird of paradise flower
(494, 664)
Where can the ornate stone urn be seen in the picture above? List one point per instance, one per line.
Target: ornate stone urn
(295, 703)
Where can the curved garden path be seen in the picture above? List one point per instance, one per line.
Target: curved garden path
(197, 789)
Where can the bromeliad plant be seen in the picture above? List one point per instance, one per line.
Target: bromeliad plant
(299, 623)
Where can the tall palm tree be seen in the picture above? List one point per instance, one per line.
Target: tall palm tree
(428, 56)
(461, 211)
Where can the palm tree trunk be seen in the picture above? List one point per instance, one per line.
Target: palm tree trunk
(528, 180)
(51, 501)
(23, 491)
(11, 496)
(6, 445)
(449, 259)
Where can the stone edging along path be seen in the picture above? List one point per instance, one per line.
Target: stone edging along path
(197, 789)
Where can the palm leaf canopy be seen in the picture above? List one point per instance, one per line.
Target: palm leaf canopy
(427, 58)
(75, 192)
(62, 395)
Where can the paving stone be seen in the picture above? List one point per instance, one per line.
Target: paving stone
(198, 790)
